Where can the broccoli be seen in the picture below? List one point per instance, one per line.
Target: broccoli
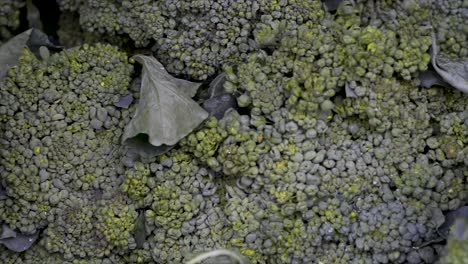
(334, 153)
(9, 17)
(60, 148)
(452, 30)
(191, 38)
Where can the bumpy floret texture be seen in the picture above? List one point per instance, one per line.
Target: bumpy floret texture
(365, 174)
(60, 150)
(71, 5)
(336, 154)
(192, 38)
(452, 30)
(9, 17)
(70, 34)
(91, 229)
(185, 217)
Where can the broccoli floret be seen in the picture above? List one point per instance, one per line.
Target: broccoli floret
(192, 38)
(364, 161)
(70, 34)
(115, 224)
(451, 27)
(60, 143)
(137, 185)
(10, 11)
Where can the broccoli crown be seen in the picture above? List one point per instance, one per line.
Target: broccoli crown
(336, 154)
(452, 30)
(197, 38)
(192, 38)
(60, 149)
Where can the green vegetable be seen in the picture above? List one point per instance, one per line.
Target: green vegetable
(11, 51)
(337, 153)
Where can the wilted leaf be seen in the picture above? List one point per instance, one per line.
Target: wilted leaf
(430, 78)
(16, 241)
(450, 219)
(452, 71)
(219, 100)
(140, 230)
(7, 232)
(165, 111)
(125, 101)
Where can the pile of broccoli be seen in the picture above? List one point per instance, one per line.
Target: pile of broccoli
(335, 152)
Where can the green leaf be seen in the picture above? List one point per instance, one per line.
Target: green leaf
(165, 111)
(452, 71)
